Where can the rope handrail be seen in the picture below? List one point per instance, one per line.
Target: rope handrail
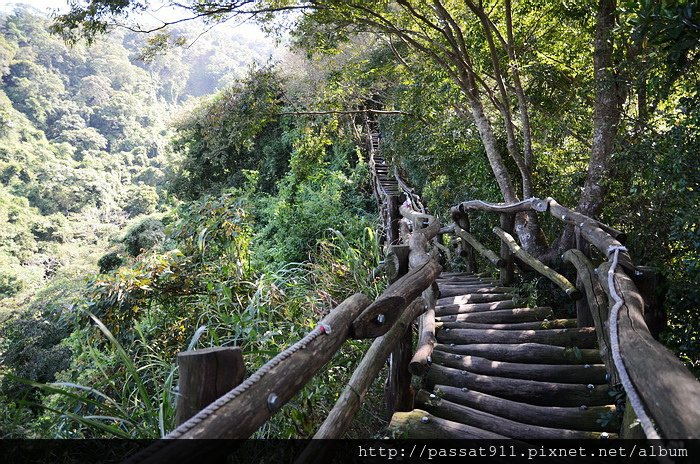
(632, 394)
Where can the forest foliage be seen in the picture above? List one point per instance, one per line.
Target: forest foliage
(242, 219)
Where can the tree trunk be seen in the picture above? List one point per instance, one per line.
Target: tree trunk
(527, 227)
(488, 138)
(607, 111)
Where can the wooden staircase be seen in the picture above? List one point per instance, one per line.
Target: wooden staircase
(385, 179)
(503, 370)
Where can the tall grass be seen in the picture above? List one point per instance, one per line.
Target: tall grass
(139, 402)
(123, 386)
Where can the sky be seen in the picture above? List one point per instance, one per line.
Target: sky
(162, 14)
(41, 5)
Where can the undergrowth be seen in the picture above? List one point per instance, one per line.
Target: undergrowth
(196, 289)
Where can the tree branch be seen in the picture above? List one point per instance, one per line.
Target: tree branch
(318, 113)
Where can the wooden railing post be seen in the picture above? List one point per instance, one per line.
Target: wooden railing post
(468, 250)
(205, 375)
(648, 281)
(507, 225)
(584, 318)
(393, 219)
(397, 390)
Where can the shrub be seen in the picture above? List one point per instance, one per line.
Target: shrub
(32, 348)
(109, 262)
(144, 236)
(10, 282)
(141, 200)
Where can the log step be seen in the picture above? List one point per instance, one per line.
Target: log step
(469, 416)
(525, 353)
(582, 338)
(537, 325)
(445, 310)
(420, 424)
(523, 391)
(463, 281)
(474, 298)
(582, 418)
(498, 316)
(508, 370)
(447, 291)
(466, 279)
(561, 373)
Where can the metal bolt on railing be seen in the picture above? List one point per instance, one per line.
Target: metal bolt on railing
(273, 402)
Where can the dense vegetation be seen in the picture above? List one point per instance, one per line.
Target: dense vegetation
(97, 158)
(242, 219)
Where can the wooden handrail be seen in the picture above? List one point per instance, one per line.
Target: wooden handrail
(598, 306)
(241, 411)
(591, 230)
(350, 399)
(669, 392)
(378, 317)
(531, 204)
(418, 242)
(490, 256)
(558, 279)
(267, 390)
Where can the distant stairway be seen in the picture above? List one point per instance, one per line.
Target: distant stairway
(385, 182)
(501, 370)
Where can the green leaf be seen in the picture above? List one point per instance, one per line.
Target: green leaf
(128, 362)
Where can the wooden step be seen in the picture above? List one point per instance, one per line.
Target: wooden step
(536, 325)
(418, 424)
(579, 418)
(524, 391)
(464, 278)
(474, 298)
(461, 279)
(474, 284)
(497, 316)
(582, 338)
(446, 310)
(446, 291)
(457, 274)
(525, 353)
(560, 373)
(486, 421)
